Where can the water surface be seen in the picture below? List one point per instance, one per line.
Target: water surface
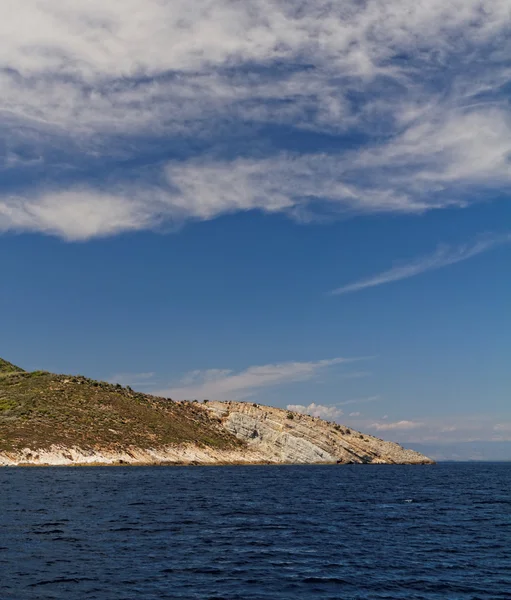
(241, 533)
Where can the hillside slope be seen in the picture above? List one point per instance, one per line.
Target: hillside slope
(42, 412)
(7, 367)
(60, 419)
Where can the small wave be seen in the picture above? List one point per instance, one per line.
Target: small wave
(336, 580)
(48, 532)
(59, 580)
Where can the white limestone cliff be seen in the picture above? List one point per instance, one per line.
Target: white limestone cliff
(286, 437)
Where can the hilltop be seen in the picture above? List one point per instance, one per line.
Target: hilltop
(61, 419)
(7, 367)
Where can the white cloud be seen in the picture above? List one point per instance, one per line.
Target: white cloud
(77, 214)
(400, 425)
(284, 183)
(90, 42)
(445, 429)
(443, 257)
(198, 376)
(448, 429)
(457, 428)
(503, 427)
(317, 410)
(331, 412)
(219, 384)
(97, 77)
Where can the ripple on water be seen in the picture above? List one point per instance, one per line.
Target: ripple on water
(256, 533)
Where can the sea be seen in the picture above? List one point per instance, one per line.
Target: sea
(355, 532)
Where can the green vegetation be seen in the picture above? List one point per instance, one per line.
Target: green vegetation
(290, 415)
(7, 367)
(40, 409)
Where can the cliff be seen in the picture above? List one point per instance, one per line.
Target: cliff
(286, 437)
(48, 419)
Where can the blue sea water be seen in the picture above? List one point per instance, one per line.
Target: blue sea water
(241, 533)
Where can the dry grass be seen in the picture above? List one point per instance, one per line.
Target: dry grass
(7, 367)
(40, 409)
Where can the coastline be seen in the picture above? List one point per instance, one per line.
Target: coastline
(183, 455)
(60, 420)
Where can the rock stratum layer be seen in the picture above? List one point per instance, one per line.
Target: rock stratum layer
(288, 437)
(59, 420)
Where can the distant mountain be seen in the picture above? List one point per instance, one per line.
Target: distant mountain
(65, 419)
(465, 451)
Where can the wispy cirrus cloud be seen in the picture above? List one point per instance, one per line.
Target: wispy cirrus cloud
(222, 384)
(398, 425)
(444, 256)
(445, 429)
(359, 400)
(58, 57)
(133, 379)
(96, 99)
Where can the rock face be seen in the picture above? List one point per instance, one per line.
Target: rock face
(181, 454)
(284, 437)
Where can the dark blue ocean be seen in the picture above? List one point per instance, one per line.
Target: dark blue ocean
(336, 532)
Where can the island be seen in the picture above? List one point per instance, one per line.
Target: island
(65, 420)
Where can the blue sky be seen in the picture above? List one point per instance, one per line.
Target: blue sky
(294, 205)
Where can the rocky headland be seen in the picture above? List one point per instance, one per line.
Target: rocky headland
(48, 419)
